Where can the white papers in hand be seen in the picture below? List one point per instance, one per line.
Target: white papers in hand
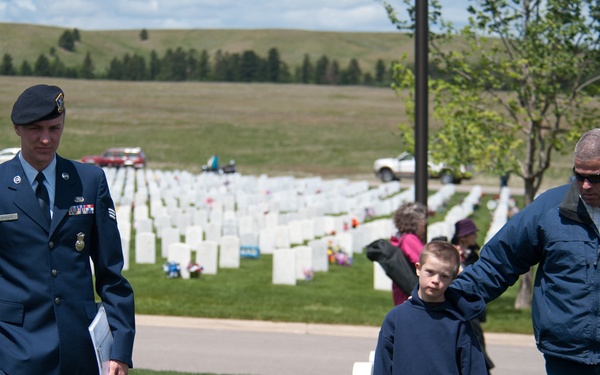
(102, 339)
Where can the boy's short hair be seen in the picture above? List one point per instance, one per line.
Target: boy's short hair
(442, 251)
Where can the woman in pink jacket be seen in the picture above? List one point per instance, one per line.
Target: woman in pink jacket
(410, 220)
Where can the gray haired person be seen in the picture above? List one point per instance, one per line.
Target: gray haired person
(560, 233)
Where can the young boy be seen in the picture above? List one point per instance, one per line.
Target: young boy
(430, 333)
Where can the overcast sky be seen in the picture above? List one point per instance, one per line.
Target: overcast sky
(318, 15)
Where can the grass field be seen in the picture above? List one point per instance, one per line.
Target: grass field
(303, 130)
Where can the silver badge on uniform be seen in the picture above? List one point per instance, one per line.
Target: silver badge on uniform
(80, 244)
(79, 199)
(65, 176)
(17, 179)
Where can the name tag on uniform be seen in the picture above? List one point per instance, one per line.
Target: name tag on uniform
(81, 209)
(9, 217)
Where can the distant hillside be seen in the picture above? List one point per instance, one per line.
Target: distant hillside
(27, 42)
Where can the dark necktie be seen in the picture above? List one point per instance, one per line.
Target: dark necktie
(42, 195)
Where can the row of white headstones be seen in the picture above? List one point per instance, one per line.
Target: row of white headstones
(211, 219)
(215, 217)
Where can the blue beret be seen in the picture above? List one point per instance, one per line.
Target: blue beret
(38, 103)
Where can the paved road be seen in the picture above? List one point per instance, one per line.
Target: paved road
(268, 348)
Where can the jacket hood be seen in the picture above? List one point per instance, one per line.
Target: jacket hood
(462, 305)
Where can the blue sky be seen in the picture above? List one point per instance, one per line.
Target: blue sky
(318, 15)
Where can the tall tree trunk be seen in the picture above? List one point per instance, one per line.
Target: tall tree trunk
(523, 300)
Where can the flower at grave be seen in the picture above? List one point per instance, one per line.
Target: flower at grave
(355, 222)
(172, 270)
(330, 255)
(308, 274)
(195, 269)
(331, 251)
(343, 259)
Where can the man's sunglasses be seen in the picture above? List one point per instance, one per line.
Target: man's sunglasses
(592, 178)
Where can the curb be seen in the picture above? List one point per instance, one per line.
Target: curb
(506, 339)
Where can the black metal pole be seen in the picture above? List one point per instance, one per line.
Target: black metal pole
(421, 99)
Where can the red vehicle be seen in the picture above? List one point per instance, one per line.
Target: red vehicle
(118, 157)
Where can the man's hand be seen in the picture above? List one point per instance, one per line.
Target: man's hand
(118, 368)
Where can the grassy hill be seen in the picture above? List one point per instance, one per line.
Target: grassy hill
(330, 131)
(27, 42)
(276, 129)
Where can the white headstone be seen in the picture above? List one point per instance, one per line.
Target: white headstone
(358, 239)
(229, 256)
(284, 267)
(344, 241)
(213, 232)
(169, 236)
(200, 217)
(143, 225)
(320, 262)
(193, 236)
(160, 223)
(229, 227)
(328, 225)
(180, 253)
(183, 220)
(282, 239)
(303, 261)
(319, 226)
(124, 213)
(124, 229)
(308, 229)
(140, 212)
(145, 248)
(206, 257)
(125, 248)
(216, 214)
(362, 368)
(271, 220)
(249, 239)
(246, 225)
(381, 281)
(295, 232)
(266, 240)
(156, 207)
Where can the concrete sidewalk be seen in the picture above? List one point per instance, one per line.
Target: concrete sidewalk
(223, 346)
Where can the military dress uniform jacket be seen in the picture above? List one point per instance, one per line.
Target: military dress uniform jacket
(46, 286)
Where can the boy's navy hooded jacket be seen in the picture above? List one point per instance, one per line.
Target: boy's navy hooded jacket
(423, 338)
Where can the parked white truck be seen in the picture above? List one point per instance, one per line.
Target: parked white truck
(389, 169)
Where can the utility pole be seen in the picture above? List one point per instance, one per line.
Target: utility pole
(421, 99)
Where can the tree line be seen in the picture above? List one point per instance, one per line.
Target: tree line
(193, 65)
